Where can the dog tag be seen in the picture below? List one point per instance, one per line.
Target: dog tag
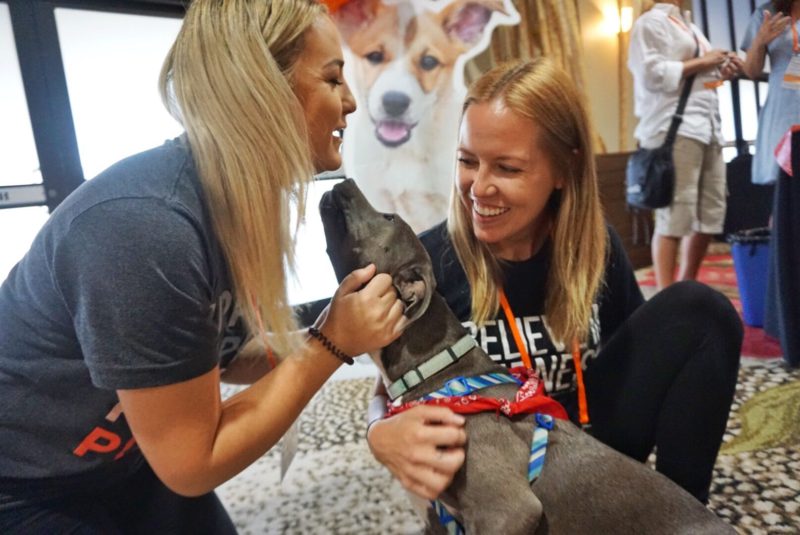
(289, 447)
(791, 78)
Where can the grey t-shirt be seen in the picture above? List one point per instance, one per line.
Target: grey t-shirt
(124, 287)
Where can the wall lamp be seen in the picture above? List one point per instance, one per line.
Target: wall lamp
(617, 19)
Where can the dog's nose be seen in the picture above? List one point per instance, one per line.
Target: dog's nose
(395, 103)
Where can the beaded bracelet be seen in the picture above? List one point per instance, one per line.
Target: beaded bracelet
(338, 353)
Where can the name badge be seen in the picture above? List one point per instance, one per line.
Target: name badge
(791, 78)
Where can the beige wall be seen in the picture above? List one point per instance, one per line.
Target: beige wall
(604, 68)
(605, 57)
(600, 58)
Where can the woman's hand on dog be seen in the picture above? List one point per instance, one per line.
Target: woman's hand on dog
(422, 447)
(364, 314)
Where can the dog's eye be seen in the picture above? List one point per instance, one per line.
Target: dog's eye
(388, 217)
(428, 62)
(375, 57)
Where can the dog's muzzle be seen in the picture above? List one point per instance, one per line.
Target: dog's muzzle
(335, 227)
(335, 207)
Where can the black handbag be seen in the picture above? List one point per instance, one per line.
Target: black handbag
(650, 173)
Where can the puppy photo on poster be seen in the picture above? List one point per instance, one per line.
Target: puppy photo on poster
(404, 60)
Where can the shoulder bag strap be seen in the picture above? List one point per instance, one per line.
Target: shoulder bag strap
(687, 88)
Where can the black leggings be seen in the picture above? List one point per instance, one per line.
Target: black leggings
(666, 378)
(141, 504)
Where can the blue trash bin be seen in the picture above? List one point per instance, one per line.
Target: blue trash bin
(750, 251)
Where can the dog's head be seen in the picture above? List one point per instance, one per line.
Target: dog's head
(406, 55)
(357, 235)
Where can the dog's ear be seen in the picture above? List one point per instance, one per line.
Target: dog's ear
(354, 15)
(415, 286)
(465, 20)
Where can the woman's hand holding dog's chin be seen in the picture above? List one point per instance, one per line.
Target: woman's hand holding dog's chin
(422, 447)
(365, 313)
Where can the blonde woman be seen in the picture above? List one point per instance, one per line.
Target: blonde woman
(525, 222)
(149, 279)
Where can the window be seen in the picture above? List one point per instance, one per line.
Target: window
(112, 62)
(315, 278)
(725, 24)
(25, 223)
(19, 163)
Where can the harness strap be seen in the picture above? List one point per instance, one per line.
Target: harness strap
(430, 367)
(530, 398)
(544, 424)
(462, 386)
(447, 520)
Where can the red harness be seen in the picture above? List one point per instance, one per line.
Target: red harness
(530, 399)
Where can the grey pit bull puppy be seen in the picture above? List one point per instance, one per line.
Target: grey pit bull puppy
(585, 486)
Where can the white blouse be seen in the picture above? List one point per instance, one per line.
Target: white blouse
(661, 40)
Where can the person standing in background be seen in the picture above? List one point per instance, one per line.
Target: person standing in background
(145, 285)
(773, 32)
(662, 56)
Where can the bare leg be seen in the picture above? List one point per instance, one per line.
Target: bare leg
(693, 249)
(664, 249)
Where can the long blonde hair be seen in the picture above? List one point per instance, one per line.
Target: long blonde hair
(542, 92)
(227, 79)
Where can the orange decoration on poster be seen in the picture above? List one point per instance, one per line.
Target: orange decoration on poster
(334, 5)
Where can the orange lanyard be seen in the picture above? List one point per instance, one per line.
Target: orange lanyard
(512, 324)
(795, 44)
(583, 407)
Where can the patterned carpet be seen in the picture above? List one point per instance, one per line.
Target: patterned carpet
(335, 486)
(756, 484)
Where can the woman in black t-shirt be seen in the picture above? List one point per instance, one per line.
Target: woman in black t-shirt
(526, 227)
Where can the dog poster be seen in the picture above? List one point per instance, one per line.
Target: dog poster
(404, 60)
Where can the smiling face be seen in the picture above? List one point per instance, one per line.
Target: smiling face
(505, 179)
(319, 84)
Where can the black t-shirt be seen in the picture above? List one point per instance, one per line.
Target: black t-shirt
(525, 289)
